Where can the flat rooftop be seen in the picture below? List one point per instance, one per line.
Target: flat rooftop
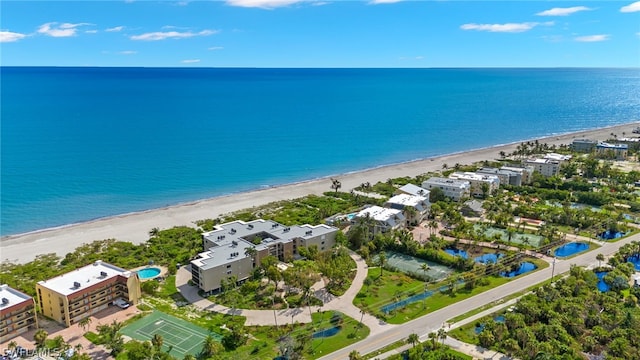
(12, 297)
(414, 190)
(379, 213)
(471, 176)
(447, 182)
(230, 240)
(407, 200)
(605, 145)
(92, 274)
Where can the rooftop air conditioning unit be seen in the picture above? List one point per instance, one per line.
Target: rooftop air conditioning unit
(5, 301)
(76, 284)
(103, 273)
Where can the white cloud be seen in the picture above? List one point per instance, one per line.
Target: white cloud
(375, 2)
(115, 29)
(264, 4)
(215, 48)
(162, 35)
(563, 11)
(190, 61)
(592, 38)
(8, 36)
(128, 52)
(633, 7)
(91, 32)
(62, 30)
(508, 27)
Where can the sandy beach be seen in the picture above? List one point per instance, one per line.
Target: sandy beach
(135, 227)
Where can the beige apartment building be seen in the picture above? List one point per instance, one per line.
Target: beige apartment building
(88, 290)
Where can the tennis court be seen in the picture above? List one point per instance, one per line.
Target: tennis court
(182, 336)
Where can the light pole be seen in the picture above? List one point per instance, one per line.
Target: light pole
(553, 268)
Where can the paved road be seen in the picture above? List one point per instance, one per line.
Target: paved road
(433, 321)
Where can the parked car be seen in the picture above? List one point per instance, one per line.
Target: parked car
(121, 303)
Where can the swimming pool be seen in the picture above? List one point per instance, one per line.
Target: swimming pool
(148, 273)
(571, 249)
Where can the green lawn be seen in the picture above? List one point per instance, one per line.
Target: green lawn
(395, 286)
(351, 332)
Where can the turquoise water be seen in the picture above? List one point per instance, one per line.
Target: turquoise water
(571, 249)
(148, 273)
(524, 268)
(84, 143)
(602, 286)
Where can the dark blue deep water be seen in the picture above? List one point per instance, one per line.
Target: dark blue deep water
(84, 143)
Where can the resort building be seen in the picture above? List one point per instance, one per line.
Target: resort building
(88, 290)
(234, 249)
(545, 167)
(478, 181)
(381, 219)
(411, 189)
(420, 206)
(612, 151)
(506, 176)
(453, 189)
(17, 313)
(526, 173)
(583, 145)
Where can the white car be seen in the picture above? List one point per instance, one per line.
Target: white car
(121, 303)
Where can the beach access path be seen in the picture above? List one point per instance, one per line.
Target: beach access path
(343, 304)
(135, 227)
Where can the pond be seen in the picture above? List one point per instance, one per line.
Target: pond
(480, 327)
(488, 258)
(571, 249)
(411, 264)
(610, 235)
(402, 303)
(456, 252)
(602, 286)
(326, 332)
(525, 267)
(635, 260)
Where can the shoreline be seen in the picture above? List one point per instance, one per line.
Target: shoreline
(134, 226)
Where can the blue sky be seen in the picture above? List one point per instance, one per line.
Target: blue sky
(319, 33)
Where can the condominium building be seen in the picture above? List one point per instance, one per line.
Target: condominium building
(481, 184)
(545, 167)
(413, 190)
(583, 145)
(83, 292)
(234, 249)
(382, 219)
(612, 151)
(419, 204)
(453, 189)
(526, 173)
(506, 176)
(17, 313)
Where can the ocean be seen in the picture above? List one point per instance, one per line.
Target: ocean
(83, 143)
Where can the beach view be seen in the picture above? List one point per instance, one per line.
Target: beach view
(247, 179)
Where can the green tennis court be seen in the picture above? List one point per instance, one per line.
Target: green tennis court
(182, 336)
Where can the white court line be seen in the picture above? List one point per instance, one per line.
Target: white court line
(180, 327)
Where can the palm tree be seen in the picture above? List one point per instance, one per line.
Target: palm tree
(157, 341)
(189, 357)
(600, 259)
(442, 335)
(154, 232)
(382, 259)
(40, 337)
(424, 267)
(85, 323)
(413, 339)
(210, 347)
(251, 252)
(433, 336)
(355, 355)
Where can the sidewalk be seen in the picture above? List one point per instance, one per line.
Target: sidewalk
(342, 303)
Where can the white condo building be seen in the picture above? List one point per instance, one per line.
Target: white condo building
(227, 253)
(545, 167)
(477, 181)
(383, 219)
(453, 189)
(419, 204)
